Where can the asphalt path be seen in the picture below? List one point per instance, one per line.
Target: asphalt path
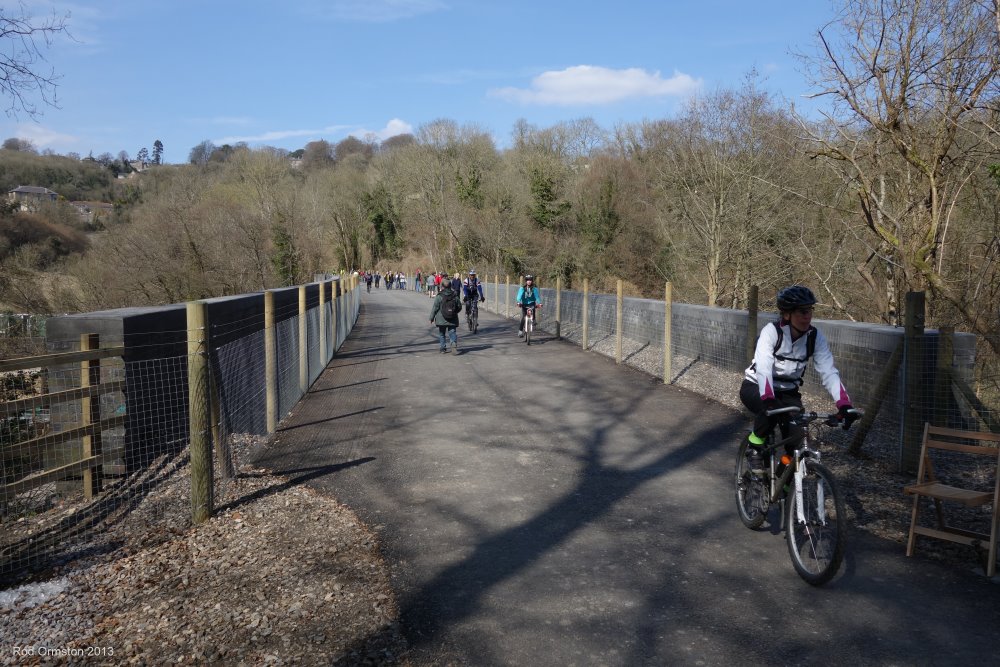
(540, 505)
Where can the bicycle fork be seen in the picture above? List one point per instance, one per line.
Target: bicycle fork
(796, 474)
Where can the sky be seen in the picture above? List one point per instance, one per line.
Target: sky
(284, 74)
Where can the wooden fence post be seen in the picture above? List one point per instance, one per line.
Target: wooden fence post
(335, 307)
(90, 413)
(198, 404)
(913, 382)
(507, 299)
(322, 324)
(752, 323)
(559, 307)
(619, 319)
(668, 298)
(586, 311)
(270, 364)
(303, 343)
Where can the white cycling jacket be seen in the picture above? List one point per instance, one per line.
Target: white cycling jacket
(781, 369)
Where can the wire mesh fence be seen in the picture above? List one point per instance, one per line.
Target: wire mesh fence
(901, 377)
(66, 491)
(96, 444)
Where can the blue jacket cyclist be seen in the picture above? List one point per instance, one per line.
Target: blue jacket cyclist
(527, 297)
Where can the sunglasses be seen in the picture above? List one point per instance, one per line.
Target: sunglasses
(805, 310)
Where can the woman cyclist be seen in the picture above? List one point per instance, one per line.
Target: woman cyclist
(527, 297)
(779, 362)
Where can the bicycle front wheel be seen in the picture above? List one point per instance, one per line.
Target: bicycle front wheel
(751, 491)
(817, 542)
(528, 326)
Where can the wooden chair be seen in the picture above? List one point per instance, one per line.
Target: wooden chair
(927, 484)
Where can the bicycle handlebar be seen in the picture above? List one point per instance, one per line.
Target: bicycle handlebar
(830, 418)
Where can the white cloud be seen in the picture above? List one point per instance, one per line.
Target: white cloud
(43, 137)
(278, 135)
(587, 85)
(377, 11)
(391, 129)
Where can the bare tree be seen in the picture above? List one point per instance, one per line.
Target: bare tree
(21, 60)
(20, 145)
(716, 173)
(908, 81)
(317, 154)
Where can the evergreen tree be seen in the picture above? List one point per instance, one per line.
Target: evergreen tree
(157, 152)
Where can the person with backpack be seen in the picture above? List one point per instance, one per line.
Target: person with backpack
(527, 297)
(783, 351)
(444, 314)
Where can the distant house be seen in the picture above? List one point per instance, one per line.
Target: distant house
(93, 211)
(29, 197)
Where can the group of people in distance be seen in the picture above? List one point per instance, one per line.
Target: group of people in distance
(446, 306)
(392, 279)
(432, 282)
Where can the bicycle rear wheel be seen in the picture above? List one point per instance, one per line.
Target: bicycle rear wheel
(751, 491)
(817, 545)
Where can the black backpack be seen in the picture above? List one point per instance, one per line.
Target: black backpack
(450, 306)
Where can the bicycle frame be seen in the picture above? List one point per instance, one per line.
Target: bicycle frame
(802, 452)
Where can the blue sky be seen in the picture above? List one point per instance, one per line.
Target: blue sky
(283, 74)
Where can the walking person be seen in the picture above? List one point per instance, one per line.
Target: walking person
(444, 313)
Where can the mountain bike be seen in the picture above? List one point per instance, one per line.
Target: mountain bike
(812, 509)
(472, 315)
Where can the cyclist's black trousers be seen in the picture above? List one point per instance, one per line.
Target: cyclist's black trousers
(471, 306)
(763, 425)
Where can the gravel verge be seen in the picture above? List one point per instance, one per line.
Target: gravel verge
(280, 575)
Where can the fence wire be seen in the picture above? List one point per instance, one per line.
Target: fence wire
(64, 496)
(941, 378)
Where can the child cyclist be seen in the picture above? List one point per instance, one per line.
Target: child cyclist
(779, 362)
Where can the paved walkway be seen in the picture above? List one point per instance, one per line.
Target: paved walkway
(542, 506)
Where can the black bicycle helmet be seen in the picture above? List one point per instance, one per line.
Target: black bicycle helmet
(795, 296)
(529, 277)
